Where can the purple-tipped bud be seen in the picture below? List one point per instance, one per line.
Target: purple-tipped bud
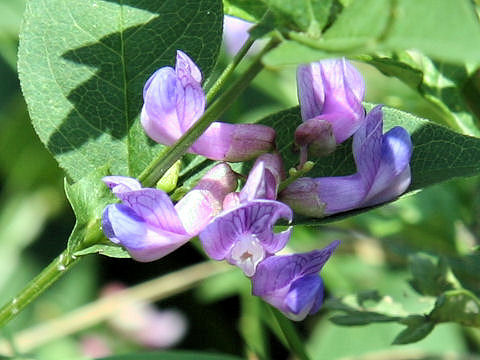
(199, 206)
(264, 178)
(174, 101)
(234, 142)
(302, 197)
(332, 90)
(291, 282)
(317, 134)
(383, 172)
(244, 235)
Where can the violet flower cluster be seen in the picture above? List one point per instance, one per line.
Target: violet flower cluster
(238, 227)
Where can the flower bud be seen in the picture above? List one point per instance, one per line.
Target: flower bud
(332, 90)
(302, 196)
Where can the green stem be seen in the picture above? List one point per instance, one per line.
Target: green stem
(229, 70)
(167, 158)
(294, 174)
(290, 333)
(37, 286)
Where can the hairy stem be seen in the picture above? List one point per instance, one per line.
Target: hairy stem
(229, 70)
(165, 160)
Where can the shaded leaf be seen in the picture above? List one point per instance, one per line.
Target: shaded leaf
(429, 274)
(83, 65)
(460, 306)
(88, 198)
(414, 332)
(362, 318)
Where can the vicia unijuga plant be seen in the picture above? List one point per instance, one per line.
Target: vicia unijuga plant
(138, 102)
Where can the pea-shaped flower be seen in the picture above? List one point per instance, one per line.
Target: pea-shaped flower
(149, 226)
(330, 93)
(291, 283)
(243, 233)
(383, 173)
(174, 101)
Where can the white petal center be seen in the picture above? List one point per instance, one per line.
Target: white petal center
(247, 253)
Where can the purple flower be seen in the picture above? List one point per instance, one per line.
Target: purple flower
(330, 93)
(383, 173)
(291, 282)
(243, 234)
(149, 226)
(235, 33)
(174, 101)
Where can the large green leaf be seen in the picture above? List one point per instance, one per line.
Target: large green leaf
(83, 65)
(366, 26)
(440, 83)
(439, 154)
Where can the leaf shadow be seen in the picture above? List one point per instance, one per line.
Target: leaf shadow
(110, 100)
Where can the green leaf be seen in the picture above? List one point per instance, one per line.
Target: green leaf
(429, 274)
(306, 15)
(460, 306)
(367, 26)
(110, 250)
(250, 10)
(362, 318)
(439, 154)
(172, 355)
(83, 65)
(438, 82)
(419, 327)
(88, 198)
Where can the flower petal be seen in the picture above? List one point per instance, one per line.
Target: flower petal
(144, 242)
(395, 158)
(304, 297)
(311, 92)
(367, 146)
(163, 92)
(119, 184)
(276, 272)
(263, 179)
(253, 218)
(235, 33)
(186, 69)
(341, 193)
(120, 223)
(155, 207)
